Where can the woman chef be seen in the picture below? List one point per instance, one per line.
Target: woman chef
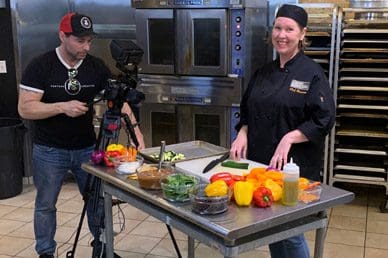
(286, 112)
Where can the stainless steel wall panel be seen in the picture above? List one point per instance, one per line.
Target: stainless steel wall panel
(36, 24)
(120, 23)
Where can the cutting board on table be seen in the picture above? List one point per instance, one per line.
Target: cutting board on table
(196, 167)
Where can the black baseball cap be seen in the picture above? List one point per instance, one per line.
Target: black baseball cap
(294, 12)
(77, 24)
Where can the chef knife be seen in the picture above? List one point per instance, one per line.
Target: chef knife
(214, 163)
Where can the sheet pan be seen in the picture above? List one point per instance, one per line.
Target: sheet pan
(191, 150)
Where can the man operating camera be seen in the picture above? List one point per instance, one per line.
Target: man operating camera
(54, 92)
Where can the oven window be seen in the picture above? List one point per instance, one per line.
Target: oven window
(163, 128)
(207, 128)
(161, 41)
(207, 42)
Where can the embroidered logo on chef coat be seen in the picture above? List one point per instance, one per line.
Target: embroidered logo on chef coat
(299, 86)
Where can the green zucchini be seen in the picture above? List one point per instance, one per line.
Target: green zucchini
(234, 164)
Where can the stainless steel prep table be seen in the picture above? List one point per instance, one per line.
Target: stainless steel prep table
(238, 230)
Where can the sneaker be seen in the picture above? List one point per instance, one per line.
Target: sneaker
(46, 256)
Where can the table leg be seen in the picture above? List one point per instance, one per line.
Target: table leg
(190, 243)
(320, 236)
(108, 225)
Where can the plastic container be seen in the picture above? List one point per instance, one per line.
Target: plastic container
(311, 195)
(290, 184)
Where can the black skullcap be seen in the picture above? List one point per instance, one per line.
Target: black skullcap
(294, 12)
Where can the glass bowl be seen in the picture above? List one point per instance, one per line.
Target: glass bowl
(178, 187)
(202, 204)
(126, 165)
(149, 176)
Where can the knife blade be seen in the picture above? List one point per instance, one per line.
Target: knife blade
(214, 163)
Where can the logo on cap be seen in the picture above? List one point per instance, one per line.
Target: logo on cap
(86, 23)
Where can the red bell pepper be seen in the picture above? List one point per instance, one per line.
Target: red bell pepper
(108, 158)
(262, 197)
(238, 178)
(226, 176)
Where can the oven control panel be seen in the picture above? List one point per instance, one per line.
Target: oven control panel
(188, 2)
(237, 41)
(187, 100)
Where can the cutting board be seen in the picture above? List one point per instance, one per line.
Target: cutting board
(196, 167)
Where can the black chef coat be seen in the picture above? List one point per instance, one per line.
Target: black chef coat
(279, 100)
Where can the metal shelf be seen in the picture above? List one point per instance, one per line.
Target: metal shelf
(360, 151)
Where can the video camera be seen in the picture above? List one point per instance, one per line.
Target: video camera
(119, 91)
(127, 56)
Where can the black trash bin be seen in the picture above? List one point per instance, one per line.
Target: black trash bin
(11, 157)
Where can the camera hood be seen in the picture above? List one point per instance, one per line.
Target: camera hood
(126, 52)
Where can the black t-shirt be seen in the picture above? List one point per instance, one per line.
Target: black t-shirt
(279, 100)
(48, 74)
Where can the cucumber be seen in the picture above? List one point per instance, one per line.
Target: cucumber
(234, 164)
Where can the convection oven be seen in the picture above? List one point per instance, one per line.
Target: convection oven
(198, 57)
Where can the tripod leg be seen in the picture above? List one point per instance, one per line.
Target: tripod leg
(174, 241)
(70, 254)
(98, 224)
(108, 225)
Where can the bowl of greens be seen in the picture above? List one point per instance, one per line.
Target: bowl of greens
(178, 187)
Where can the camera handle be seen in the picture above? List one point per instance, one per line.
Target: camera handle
(130, 129)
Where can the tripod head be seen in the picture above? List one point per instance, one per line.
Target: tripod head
(123, 90)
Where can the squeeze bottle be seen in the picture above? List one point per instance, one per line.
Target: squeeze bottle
(290, 184)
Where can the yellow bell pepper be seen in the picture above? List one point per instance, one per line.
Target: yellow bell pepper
(243, 193)
(116, 147)
(217, 188)
(275, 188)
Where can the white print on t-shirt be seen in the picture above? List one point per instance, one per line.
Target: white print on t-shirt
(72, 86)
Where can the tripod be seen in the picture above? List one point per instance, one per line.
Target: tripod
(109, 131)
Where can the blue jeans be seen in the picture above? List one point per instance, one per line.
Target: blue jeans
(293, 247)
(50, 166)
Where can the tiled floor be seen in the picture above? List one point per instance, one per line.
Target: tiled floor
(356, 230)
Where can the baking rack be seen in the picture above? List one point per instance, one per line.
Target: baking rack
(358, 143)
